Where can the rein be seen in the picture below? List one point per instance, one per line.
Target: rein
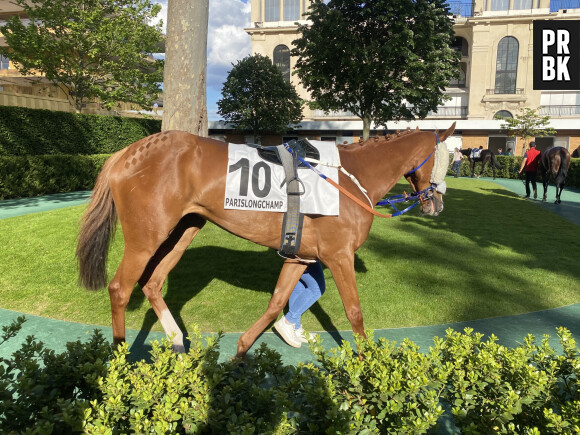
(415, 196)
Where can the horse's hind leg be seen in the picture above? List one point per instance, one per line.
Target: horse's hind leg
(559, 188)
(165, 259)
(121, 287)
(289, 276)
(545, 184)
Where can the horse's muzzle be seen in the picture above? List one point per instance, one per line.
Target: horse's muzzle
(434, 205)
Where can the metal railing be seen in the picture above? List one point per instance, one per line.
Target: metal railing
(448, 111)
(560, 110)
(461, 8)
(333, 114)
(518, 91)
(556, 5)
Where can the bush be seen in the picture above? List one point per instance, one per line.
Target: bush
(391, 389)
(511, 166)
(39, 132)
(530, 389)
(525, 390)
(42, 392)
(26, 176)
(193, 393)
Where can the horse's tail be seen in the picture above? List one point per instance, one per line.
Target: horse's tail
(560, 178)
(447, 133)
(97, 229)
(497, 164)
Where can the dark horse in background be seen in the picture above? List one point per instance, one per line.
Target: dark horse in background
(486, 156)
(554, 164)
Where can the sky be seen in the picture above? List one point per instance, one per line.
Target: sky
(227, 42)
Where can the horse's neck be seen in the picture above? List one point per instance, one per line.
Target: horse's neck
(380, 164)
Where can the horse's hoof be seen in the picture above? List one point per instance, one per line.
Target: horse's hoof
(238, 358)
(178, 348)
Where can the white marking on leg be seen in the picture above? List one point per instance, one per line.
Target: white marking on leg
(172, 330)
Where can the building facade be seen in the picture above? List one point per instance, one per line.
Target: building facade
(35, 92)
(495, 39)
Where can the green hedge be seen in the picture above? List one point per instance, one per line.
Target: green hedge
(39, 132)
(488, 388)
(511, 166)
(27, 176)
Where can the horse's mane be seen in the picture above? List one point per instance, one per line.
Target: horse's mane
(386, 138)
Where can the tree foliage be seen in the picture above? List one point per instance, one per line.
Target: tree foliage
(528, 124)
(90, 48)
(255, 97)
(381, 60)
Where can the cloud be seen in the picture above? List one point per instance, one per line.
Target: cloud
(227, 42)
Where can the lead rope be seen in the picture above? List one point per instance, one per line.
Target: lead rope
(345, 172)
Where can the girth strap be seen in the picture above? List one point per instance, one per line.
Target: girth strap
(292, 223)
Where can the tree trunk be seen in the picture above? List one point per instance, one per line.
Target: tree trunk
(366, 126)
(184, 76)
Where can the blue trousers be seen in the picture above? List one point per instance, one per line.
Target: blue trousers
(308, 290)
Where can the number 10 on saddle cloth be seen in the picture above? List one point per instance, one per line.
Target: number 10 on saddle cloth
(256, 184)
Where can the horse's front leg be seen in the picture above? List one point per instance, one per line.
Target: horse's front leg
(289, 276)
(342, 268)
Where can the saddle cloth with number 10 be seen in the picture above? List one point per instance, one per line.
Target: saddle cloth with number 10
(253, 183)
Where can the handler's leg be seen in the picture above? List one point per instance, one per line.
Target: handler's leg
(289, 276)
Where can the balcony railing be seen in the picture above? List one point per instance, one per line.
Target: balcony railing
(461, 8)
(556, 5)
(449, 111)
(334, 114)
(560, 110)
(518, 91)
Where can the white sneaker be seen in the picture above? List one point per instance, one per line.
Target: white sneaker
(287, 331)
(303, 336)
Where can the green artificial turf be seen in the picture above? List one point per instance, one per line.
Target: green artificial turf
(488, 254)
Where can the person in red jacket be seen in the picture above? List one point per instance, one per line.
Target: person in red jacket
(530, 163)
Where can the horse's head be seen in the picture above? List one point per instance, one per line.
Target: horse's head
(429, 179)
(430, 195)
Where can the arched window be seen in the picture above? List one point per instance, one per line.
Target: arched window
(4, 62)
(502, 114)
(272, 9)
(460, 81)
(461, 45)
(282, 60)
(506, 66)
(291, 10)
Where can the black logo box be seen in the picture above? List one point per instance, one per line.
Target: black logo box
(544, 68)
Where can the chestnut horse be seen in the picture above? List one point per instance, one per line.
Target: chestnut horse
(164, 188)
(554, 164)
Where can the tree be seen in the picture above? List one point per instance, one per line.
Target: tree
(184, 100)
(381, 60)
(256, 97)
(90, 49)
(528, 124)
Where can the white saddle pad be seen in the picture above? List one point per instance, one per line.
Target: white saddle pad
(255, 184)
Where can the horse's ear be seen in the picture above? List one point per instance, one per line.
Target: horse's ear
(447, 133)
